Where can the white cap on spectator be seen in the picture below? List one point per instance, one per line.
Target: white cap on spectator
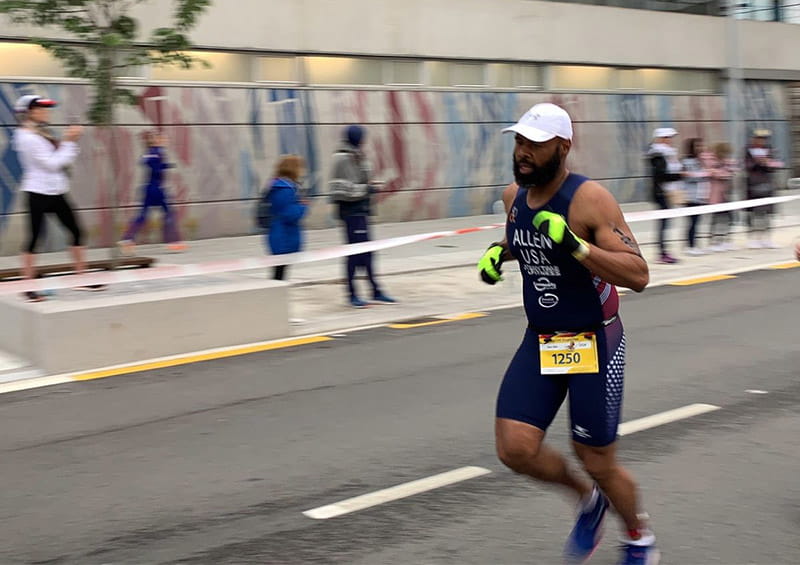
(664, 132)
(542, 123)
(25, 103)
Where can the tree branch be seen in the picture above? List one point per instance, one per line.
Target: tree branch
(107, 41)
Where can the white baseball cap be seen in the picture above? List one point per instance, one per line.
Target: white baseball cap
(25, 103)
(664, 132)
(542, 123)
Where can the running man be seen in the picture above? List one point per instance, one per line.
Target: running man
(573, 245)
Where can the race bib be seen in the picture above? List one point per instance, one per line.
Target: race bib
(568, 353)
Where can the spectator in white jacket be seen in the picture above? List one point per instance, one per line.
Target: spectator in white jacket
(45, 160)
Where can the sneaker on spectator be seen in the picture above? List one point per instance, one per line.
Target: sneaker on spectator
(127, 247)
(91, 287)
(177, 247)
(383, 299)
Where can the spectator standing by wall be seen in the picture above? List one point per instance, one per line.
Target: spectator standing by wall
(696, 182)
(665, 172)
(760, 164)
(722, 168)
(286, 210)
(351, 191)
(45, 164)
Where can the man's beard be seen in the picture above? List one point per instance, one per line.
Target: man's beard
(540, 176)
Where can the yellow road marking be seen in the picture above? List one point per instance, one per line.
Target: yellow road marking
(196, 358)
(467, 316)
(701, 280)
(791, 265)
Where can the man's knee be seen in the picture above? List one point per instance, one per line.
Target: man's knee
(517, 456)
(517, 449)
(598, 462)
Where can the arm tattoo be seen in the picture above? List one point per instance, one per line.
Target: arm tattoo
(627, 240)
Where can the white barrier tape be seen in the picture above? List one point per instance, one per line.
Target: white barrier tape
(252, 263)
(216, 267)
(648, 215)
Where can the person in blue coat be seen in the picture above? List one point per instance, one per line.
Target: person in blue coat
(287, 209)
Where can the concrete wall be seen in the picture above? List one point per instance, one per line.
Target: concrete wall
(502, 29)
(441, 153)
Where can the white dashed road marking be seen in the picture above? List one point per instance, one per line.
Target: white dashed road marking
(464, 473)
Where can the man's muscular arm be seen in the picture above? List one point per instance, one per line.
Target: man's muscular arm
(614, 254)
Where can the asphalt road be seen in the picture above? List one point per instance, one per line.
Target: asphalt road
(215, 462)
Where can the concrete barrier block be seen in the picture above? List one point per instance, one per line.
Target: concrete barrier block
(101, 329)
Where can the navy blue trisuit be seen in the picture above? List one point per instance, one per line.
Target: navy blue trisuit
(574, 342)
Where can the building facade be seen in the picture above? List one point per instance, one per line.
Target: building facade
(433, 81)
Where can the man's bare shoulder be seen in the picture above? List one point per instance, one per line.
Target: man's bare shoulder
(509, 194)
(593, 194)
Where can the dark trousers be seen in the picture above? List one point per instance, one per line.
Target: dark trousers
(691, 235)
(280, 272)
(663, 204)
(41, 204)
(720, 226)
(357, 228)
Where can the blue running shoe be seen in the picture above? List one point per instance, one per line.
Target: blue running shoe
(640, 555)
(356, 302)
(383, 299)
(588, 530)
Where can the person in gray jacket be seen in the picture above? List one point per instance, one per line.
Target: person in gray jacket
(351, 191)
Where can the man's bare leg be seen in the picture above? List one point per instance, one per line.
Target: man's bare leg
(521, 447)
(615, 481)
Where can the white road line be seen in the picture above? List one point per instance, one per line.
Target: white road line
(36, 382)
(662, 418)
(756, 391)
(395, 493)
(464, 473)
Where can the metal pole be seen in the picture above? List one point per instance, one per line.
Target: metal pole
(736, 123)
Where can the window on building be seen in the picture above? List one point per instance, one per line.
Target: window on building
(677, 80)
(403, 72)
(700, 7)
(501, 74)
(277, 69)
(583, 77)
(527, 76)
(790, 11)
(456, 73)
(343, 70)
(514, 75)
(28, 60)
(224, 67)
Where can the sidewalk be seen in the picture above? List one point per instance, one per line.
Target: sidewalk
(439, 277)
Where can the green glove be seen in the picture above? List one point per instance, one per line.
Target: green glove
(555, 227)
(489, 265)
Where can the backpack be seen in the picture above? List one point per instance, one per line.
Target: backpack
(264, 210)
